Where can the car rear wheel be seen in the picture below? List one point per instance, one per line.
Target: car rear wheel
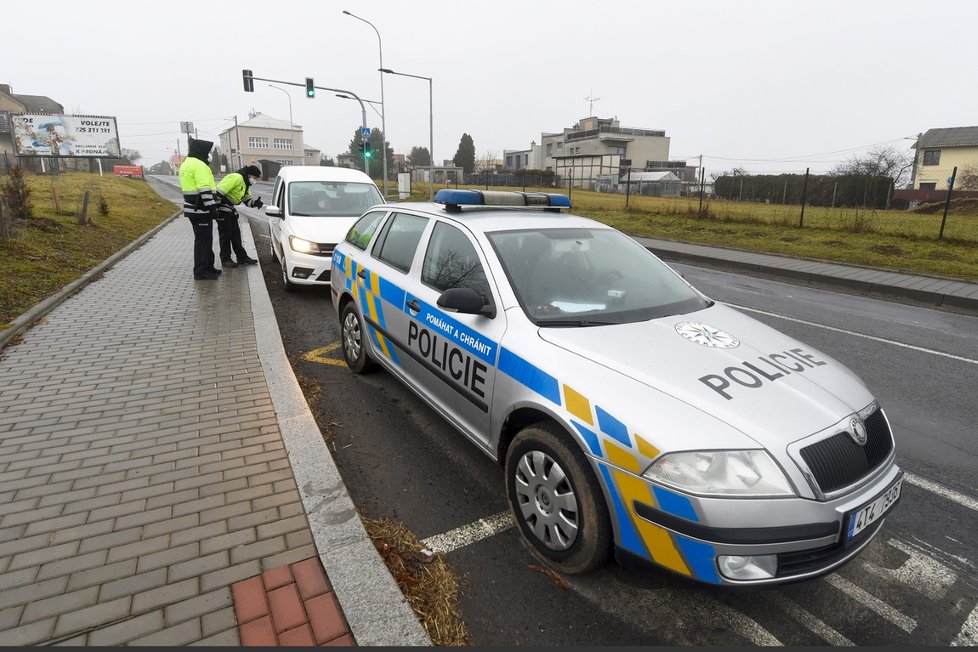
(353, 339)
(555, 497)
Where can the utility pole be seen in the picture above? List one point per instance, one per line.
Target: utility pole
(947, 202)
(237, 137)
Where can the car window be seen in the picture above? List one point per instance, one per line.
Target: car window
(452, 262)
(590, 276)
(276, 195)
(360, 233)
(331, 198)
(398, 242)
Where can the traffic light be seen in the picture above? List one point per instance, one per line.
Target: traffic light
(366, 149)
(249, 81)
(310, 88)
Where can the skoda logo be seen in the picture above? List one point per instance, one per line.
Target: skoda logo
(858, 431)
(706, 335)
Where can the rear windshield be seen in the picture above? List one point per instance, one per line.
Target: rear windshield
(331, 198)
(590, 277)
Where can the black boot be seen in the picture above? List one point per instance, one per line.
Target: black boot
(227, 262)
(247, 260)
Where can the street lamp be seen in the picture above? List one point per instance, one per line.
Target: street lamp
(383, 112)
(371, 102)
(291, 135)
(431, 129)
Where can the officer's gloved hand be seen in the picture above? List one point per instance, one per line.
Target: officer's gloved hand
(257, 203)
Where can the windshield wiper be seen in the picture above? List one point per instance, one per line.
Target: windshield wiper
(302, 214)
(574, 323)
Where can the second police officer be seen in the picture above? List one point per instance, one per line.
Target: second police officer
(235, 189)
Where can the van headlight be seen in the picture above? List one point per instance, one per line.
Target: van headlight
(303, 246)
(721, 473)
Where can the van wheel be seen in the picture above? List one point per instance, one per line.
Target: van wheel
(354, 341)
(287, 285)
(556, 499)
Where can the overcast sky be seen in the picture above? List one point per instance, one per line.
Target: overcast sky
(763, 85)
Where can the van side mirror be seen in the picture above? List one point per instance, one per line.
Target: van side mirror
(467, 301)
(274, 211)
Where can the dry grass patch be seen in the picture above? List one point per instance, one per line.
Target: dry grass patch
(430, 586)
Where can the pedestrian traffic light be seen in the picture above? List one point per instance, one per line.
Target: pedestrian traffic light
(310, 88)
(249, 81)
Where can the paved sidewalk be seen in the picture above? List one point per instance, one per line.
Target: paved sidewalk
(148, 465)
(944, 293)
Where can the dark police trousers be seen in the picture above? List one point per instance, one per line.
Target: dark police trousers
(203, 244)
(229, 234)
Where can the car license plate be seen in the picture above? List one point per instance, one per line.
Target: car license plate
(875, 510)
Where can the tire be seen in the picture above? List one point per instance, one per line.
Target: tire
(353, 341)
(563, 520)
(287, 285)
(271, 245)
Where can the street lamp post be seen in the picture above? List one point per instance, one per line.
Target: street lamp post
(431, 129)
(383, 111)
(291, 134)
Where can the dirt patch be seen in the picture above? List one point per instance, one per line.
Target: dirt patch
(942, 255)
(755, 234)
(428, 584)
(45, 224)
(887, 250)
(838, 244)
(722, 231)
(789, 238)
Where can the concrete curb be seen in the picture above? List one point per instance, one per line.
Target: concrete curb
(38, 310)
(937, 300)
(375, 608)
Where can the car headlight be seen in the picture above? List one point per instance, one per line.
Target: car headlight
(721, 473)
(303, 246)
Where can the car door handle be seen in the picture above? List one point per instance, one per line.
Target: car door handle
(414, 305)
(362, 273)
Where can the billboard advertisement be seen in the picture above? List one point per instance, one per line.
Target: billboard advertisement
(65, 135)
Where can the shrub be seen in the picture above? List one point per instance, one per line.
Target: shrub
(16, 195)
(103, 205)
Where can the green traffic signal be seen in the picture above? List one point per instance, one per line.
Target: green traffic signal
(366, 150)
(310, 88)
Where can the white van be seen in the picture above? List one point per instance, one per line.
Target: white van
(311, 209)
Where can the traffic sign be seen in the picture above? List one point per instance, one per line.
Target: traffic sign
(364, 132)
(186, 127)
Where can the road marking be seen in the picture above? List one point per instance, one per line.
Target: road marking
(855, 334)
(941, 490)
(920, 571)
(471, 533)
(969, 631)
(319, 355)
(815, 625)
(905, 623)
(747, 626)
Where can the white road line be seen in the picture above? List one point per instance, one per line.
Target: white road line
(941, 490)
(471, 533)
(744, 624)
(905, 623)
(969, 631)
(815, 625)
(855, 334)
(920, 571)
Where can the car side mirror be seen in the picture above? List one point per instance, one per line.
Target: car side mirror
(465, 300)
(274, 211)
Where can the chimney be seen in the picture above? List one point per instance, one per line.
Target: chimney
(5, 88)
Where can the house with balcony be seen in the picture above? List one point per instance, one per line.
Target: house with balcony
(262, 137)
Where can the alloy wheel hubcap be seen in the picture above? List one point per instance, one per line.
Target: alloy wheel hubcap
(351, 336)
(547, 502)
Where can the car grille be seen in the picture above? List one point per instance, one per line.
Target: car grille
(325, 249)
(807, 561)
(839, 461)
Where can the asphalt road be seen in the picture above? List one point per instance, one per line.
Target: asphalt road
(917, 583)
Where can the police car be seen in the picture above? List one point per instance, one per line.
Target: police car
(632, 413)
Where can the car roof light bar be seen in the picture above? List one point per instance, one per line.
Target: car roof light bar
(454, 200)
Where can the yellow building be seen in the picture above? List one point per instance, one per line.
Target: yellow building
(939, 151)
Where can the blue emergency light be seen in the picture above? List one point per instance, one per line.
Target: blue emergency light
(454, 200)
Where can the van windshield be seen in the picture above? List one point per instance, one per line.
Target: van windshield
(331, 198)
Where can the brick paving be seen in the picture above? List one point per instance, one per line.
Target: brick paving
(142, 470)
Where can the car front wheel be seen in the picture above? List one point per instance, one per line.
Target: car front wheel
(354, 343)
(556, 500)
(287, 285)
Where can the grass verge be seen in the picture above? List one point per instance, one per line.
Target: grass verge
(428, 584)
(53, 249)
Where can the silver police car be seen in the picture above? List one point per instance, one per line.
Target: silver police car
(632, 413)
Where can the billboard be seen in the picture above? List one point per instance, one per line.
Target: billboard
(65, 135)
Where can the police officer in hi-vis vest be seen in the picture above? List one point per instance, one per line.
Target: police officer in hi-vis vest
(200, 206)
(235, 189)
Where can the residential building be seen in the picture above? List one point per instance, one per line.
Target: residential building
(311, 156)
(11, 103)
(348, 160)
(263, 137)
(938, 152)
(523, 159)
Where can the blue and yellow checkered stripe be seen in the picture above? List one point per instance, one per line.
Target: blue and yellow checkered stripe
(611, 444)
(368, 292)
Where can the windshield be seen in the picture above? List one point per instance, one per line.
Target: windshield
(589, 277)
(331, 198)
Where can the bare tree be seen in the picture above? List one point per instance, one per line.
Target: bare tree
(878, 162)
(967, 178)
(487, 162)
